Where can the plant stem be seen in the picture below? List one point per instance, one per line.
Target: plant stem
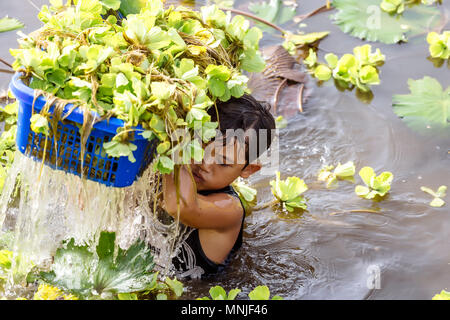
(356, 211)
(5, 63)
(265, 205)
(251, 16)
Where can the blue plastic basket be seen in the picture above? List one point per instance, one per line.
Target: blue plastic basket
(115, 172)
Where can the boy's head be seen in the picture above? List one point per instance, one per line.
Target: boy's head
(246, 132)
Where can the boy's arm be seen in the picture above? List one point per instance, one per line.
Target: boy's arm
(217, 211)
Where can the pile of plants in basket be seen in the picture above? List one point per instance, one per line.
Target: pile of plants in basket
(158, 70)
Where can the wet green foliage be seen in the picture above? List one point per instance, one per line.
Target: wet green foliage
(9, 24)
(158, 69)
(375, 186)
(351, 70)
(427, 108)
(366, 20)
(78, 270)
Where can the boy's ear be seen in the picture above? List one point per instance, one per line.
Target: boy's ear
(250, 169)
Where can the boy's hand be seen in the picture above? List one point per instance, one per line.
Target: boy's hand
(217, 211)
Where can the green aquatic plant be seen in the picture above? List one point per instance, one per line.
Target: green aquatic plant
(219, 293)
(78, 270)
(281, 122)
(258, 293)
(288, 192)
(274, 11)
(8, 115)
(351, 70)
(262, 293)
(365, 20)
(331, 174)
(247, 194)
(158, 68)
(437, 195)
(374, 185)
(427, 108)
(293, 42)
(9, 24)
(393, 6)
(439, 44)
(444, 295)
(398, 6)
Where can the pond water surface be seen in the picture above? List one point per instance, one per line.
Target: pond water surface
(329, 252)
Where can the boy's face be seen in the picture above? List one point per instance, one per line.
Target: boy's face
(221, 165)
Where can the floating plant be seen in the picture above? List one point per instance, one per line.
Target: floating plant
(374, 185)
(437, 195)
(331, 174)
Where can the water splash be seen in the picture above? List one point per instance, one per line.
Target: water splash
(45, 208)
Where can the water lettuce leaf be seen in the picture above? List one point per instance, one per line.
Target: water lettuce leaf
(9, 24)
(219, 293)
(273, 11)
(426, 108)
(262, 293)
(366, 20)
(289, 191)
(78, 270)
(444, 295)
(437, 195)
(331, 175)
(374, 185)
(439, 44)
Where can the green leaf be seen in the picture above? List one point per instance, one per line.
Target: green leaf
(365, 20)
(39, 124)
(118, 149)
(444, 295)
(437, 195)
(273, 11)
(9, 24)
(322, 72)
(111, 4)
(78, 270)
(304, 39)
(439, 44)
(175, 285)
(260, 293)
(218, 293)
(288, 191)
(375, 185)
(426, 108)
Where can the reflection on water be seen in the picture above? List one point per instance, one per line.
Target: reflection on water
(330, 252)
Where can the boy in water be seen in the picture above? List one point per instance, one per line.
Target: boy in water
(211, 207)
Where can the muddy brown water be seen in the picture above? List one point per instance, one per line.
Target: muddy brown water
(328, 252)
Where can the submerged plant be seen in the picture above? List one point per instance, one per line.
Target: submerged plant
(427, 108)
(84, 273)
(331, 175)
(440, 193)
(288, 192)
(374, 185)
(439, 44)
(366, 20)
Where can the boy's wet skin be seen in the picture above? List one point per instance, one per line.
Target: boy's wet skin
(207, 202)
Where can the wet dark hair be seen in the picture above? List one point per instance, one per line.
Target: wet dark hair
(246, 113)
